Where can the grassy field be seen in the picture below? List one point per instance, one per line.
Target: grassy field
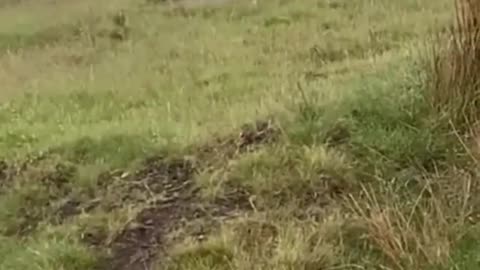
(242, 135)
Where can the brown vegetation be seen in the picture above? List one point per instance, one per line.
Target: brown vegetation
(455, 84)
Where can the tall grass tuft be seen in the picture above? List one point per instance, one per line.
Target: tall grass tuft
(454, 80)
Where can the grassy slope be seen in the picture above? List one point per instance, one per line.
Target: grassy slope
(97, 104)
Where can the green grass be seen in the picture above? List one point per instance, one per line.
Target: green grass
(257, 242)
(340, 77)
(48, 250)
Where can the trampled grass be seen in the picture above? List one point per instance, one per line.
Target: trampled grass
(358, 174)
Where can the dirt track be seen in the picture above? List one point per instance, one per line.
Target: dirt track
(143, 241)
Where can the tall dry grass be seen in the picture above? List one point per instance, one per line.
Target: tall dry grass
(419, 231)
(454, 80)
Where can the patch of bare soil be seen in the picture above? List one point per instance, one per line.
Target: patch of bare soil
(141, 240)
(175, 200)
(164, 184)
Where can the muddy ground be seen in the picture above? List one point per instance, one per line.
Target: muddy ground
(163, 188)
(176, 199)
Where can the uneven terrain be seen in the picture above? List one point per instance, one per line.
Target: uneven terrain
(190, 135)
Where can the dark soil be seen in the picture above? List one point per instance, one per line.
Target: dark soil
(164, 184)
(175, 201)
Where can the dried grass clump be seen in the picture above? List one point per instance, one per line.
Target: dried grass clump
(455, 71)
(420, 231)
